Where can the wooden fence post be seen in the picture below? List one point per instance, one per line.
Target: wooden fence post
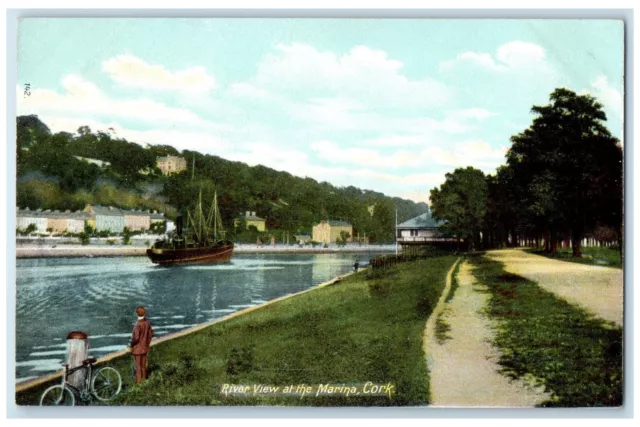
(77, 351)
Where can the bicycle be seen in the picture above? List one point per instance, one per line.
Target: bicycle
(104, 385)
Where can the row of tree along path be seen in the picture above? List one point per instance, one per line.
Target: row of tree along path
(562, 183)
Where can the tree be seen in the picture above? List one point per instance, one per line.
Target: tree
(383, 222)
(343, 238)
(84, 238)
(84, 130)
(89, 230)
(31, 228)
(570, 166)
(126, 236)
(462, 202)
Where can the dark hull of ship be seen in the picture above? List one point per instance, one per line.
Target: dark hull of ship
(206, 255)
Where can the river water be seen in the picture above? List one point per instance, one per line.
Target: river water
(99, 295)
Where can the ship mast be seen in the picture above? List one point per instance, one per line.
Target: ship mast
(215, 221)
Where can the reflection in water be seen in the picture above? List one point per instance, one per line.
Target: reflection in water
(99, 296)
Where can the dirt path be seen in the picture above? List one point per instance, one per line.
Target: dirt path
(597, 289)
(463, 368)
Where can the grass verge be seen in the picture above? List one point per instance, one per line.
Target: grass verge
(442, 328)
(454, 281)
(608, 257)
(356, 331)
(578, 358)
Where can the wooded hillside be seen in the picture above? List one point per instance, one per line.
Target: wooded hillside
(50, 177)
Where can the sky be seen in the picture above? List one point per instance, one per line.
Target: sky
(385, 105)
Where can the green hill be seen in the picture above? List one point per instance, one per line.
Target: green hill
(52, 176)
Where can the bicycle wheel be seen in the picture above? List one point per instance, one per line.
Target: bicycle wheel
(106, 384)
(57, 395)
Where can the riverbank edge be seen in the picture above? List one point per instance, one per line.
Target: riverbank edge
(109, 252)
(34, 382)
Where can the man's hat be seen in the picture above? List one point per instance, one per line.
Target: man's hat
(141, 311)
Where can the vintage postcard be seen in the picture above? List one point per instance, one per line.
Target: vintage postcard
(319, 212)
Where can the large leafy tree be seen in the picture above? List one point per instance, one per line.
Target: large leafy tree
(570, 165)
(462, 202)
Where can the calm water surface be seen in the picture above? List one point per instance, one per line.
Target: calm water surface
(99, 296)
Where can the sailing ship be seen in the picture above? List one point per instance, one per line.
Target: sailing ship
(203, 243)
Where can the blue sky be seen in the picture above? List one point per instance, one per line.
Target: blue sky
(387, 105)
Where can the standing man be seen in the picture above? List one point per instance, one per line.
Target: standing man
(140, 341)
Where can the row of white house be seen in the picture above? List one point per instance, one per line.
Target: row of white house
(101, 218)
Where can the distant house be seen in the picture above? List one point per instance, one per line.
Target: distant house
(422, 228)
(26, 217)
(76, 221)
(57, 221)
(105, 218)
(328, 231)
(136, 220)
(171, 164)
(67, 221)
(250, 218)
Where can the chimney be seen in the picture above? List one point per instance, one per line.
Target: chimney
(247, 213)
(253, 214)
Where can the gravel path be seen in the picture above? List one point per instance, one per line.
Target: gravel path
(463, 369)
(596, 289)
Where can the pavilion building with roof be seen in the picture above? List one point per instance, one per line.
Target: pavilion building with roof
(422, 229)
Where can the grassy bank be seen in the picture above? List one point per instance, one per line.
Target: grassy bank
(578, 358)
(355, 331)
(609, 257)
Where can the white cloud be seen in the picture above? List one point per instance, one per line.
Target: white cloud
(519, 54)
(478, 154)
(417, 196)
(513, 56)
(84, 99)
(247, 90)
(363, 74)
(335, 113)
(613, 103)
(472, 113)
(396, 141)
(204, 142)
(267, 154)
(475, 153)
(132, 71)
(332, 153)
(607, 95)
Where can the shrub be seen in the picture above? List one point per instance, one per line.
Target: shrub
(126, 236)
(84, 238)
